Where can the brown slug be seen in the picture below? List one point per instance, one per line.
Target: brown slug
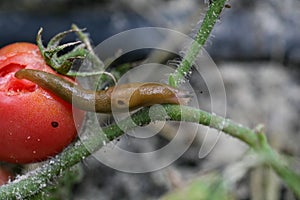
(122, 97)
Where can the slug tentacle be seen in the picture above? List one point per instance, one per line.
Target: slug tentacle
(122, 97)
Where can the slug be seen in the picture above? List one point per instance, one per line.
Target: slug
(119, 98)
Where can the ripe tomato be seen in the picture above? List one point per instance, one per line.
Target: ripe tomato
(34, 123)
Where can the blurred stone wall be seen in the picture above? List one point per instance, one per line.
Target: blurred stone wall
(249, 30)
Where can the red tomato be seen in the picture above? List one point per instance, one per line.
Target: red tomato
(4, 176)
(34, 123)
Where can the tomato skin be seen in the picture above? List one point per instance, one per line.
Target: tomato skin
(34, 123)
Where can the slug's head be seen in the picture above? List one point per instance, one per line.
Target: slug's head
(135, 95)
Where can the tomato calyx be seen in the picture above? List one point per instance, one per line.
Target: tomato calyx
(51, 53)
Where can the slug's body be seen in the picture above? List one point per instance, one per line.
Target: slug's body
(118, 98)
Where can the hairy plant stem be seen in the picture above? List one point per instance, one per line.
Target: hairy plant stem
(203, 33)
(35, 181)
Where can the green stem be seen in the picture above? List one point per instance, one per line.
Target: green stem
(278, 164)
(86, 40)
(36, 180)
(207, 25)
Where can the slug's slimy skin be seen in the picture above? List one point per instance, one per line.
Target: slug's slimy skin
(120, 98)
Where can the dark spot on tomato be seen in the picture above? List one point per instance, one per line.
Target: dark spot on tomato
(54, 124)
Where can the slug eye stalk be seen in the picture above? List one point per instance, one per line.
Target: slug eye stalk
(120, 98)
